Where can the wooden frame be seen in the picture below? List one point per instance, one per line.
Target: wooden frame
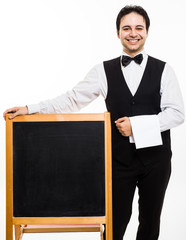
(10, 220)
(21, 229)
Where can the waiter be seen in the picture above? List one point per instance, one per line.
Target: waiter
(145, 102)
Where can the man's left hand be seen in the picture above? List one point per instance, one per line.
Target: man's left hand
(124, 126)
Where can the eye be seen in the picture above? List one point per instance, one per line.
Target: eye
(126, 29)
(139, 28)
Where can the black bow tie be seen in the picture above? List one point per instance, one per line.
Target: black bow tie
(126, 59)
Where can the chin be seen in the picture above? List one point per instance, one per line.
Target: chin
(136, 49)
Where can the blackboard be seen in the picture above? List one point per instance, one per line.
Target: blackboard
(58, 169)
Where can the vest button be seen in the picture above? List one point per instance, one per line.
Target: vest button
(133, 102)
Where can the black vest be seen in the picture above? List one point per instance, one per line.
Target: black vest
(120, 103)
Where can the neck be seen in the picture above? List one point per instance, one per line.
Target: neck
(132, 54)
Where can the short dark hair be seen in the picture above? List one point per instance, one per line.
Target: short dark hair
(132, 8)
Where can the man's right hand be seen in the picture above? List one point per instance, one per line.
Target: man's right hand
(16, 111)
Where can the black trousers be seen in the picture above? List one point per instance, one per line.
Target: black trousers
(149, 171)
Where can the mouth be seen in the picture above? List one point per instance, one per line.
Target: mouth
(133, 40)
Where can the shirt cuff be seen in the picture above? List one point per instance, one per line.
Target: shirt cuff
(34, 108)
(146, 131)
(131, 139)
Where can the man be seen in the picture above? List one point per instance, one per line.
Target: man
(145, 102)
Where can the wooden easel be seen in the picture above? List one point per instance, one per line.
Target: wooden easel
(21, 229)
(75, 224)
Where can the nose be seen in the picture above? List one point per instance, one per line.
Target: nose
(133, 33)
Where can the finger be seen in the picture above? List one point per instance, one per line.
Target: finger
(16, 113)
(121, 125)
(118, 126)
(10, 110)
(12, 116)
(4, 115)
(123, 134)
(121, 131)
(120, 120)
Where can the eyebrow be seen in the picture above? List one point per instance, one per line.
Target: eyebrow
(136, 26)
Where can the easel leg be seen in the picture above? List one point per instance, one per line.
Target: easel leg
(109, 232)
(9, 230)
(101, 232)
(18, 232)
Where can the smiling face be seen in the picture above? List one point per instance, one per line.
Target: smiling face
(132, 33)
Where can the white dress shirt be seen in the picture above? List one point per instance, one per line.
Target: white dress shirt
(146, 129)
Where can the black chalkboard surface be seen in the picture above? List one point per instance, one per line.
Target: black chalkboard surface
(58, 172)
(58, 169)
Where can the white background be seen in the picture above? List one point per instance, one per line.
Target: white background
(47, 46)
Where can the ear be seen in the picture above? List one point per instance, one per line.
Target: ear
(118, 34)
(148, 33)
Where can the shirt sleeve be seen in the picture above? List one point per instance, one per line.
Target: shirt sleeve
(72, 101)
(146, 129)
(172, 107)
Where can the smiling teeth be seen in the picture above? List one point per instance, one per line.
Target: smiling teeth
(133, 40)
